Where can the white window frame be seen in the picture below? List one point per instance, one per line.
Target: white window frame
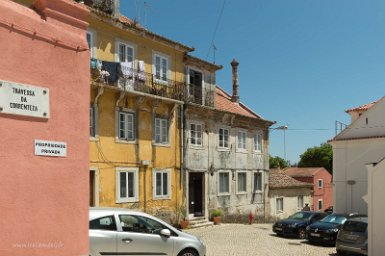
(154, 179)
(279, 206)
(126, 113)
(162, 121)
(260, 174)
(162, 58)
(92, 46)
(228, 138)
(127, 199)
(300, 201)
(242, 140)
(219, 183)
(258, 141)
(195, 137)
(119, 42)
(241, 191)
(320, 201)
(320, 183)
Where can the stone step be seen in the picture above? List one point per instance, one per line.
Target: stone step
(201, 224)
(198, 222)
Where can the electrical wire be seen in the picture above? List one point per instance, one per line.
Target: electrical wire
(216, 27)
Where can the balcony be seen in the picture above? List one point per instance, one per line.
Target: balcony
(106, 6)
(134, 80)
(197, 95)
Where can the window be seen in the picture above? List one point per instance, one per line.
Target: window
(160, 67)
(161, 130)
(92, 122)
(258, 141)
(141, 224)
(320, 183)
(196, 134)
(279, 204)
(91, 43)
(257, 181)
(126, 126)
(127, 185)
(162, 184)
(223, 138)
(224, 182)
(242, 182)
(320, 204)
(300, 202)
(104, 223)
(242, 140)
(125, 53)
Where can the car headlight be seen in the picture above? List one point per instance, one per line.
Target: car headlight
(333, 230)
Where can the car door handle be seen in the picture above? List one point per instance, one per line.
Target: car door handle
(127, 240)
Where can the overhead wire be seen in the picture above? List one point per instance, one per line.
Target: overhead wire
(216, 27)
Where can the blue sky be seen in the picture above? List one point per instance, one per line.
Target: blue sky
(302, 62)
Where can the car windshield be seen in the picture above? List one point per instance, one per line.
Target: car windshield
(301, 216)
(338, 219)
(355, 226)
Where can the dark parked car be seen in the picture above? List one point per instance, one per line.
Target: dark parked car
(325, 231)
(329, 209)
(353, 236)
(296, 224)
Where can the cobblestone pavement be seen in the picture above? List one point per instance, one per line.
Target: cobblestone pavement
(252, 240)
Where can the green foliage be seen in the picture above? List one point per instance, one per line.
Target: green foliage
(277, 161)
(216, 213)
(321, 156)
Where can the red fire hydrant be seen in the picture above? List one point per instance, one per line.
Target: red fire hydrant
(251, 217)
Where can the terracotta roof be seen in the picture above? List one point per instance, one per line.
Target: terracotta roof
(279, 179)
(223, 103)
(125, 20)
(303, 172)
(361, 108)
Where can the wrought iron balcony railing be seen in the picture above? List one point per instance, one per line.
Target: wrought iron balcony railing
(133, 80)
(106, 6)
(197, 95)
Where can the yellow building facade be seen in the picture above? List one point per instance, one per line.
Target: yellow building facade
(137, 87)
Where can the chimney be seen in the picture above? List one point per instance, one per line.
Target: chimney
(116, 9)
(235, 97)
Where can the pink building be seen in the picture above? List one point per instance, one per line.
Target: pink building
(322, 185)
(44, 103)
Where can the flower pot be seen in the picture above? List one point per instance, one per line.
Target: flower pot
(217, 220)
(184, 224)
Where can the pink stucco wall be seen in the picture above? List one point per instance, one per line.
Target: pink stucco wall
(44, 200)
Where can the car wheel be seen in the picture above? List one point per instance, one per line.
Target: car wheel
(188, 252)
(301, 233)
(339, 252)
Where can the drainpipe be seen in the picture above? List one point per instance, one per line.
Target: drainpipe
(182, 155)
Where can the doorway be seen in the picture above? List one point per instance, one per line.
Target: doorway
(93, 193)
(196, 193)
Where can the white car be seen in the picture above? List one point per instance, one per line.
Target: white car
(115, 231)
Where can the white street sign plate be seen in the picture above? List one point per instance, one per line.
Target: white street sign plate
(50, 148)
(24, 99)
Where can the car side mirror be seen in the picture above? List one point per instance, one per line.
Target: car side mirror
(165, 232)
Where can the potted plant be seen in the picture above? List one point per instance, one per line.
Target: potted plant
(216, 215)
(183, 222)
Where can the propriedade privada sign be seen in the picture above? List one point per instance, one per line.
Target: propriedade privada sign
(50, 148)
(24, 99)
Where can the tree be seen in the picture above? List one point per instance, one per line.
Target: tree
(321, 156)
(277, 161)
